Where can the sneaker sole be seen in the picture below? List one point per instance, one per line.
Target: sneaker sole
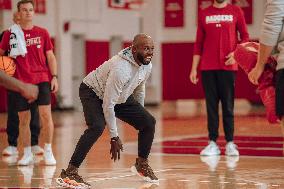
(133, 170)
(63, 184)
(216, 154)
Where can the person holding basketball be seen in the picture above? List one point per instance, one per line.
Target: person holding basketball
(12, 129)
(32, 68)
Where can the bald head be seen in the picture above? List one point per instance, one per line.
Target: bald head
(142, 49)
(140, 39)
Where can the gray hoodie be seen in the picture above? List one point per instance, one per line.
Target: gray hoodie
(272, 33)
(115, 80)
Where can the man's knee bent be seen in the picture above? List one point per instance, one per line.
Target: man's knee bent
(96, 130)
(150, 123)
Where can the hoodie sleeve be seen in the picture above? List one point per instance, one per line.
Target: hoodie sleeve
(115, 82)
(273, 22)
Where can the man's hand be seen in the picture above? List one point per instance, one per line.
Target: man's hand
(29, 91)
(230, 59)
(115, 148)
(255, 74)
(54, 85)
(193, 76)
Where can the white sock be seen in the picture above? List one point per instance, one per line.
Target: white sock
(47, 146)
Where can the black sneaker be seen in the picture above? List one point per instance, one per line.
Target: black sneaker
(71, 180)
(143, 170)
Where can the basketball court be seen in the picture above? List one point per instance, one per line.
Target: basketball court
(180, 136)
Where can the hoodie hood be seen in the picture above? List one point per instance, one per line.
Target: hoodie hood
(127, 55)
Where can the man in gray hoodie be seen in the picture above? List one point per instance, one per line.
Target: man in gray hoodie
(116, 89)
(272, 40)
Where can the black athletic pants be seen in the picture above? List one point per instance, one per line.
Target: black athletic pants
(219, 85)
(131, 112)
(279, 90)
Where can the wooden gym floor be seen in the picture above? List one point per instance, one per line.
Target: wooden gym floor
(174, 160)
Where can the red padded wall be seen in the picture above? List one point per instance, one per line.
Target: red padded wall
(96, 53)
(176, 63)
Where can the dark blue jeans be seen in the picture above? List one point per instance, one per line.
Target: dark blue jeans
(130, 112)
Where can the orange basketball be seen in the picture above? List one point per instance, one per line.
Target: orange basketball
(8, 65)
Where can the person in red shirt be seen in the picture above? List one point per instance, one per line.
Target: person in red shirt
(217, 36)
(32, 68)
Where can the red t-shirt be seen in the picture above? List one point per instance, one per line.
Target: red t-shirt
(217, 36)
(32, 68)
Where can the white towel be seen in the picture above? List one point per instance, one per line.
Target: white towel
(17, 41)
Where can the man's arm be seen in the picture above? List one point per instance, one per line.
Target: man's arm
(242, 27)
(52, 64)
(271, 28)
(28, 91)
(113, 90)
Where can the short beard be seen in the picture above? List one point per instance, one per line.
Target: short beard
(141, 59)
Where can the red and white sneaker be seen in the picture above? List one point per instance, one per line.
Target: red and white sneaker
(143, 170)
(72, 180)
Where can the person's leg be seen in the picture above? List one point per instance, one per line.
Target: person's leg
(12, 126)
(34, 125)
(12, 121)
(279, 93)
(35, 131)
(226, 89)
(209, 82)
(279, 96)
(44, 108)
(137, 116)
(23, 108)
(94, 117)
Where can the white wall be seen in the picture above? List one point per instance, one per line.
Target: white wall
(95, 21)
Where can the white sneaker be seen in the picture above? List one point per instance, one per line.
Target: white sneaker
(49, 158)
(10, 151)
(211, 161)
(10, 160)
(27, 159)
(211, 149)
(231, 149)
(37, 150)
